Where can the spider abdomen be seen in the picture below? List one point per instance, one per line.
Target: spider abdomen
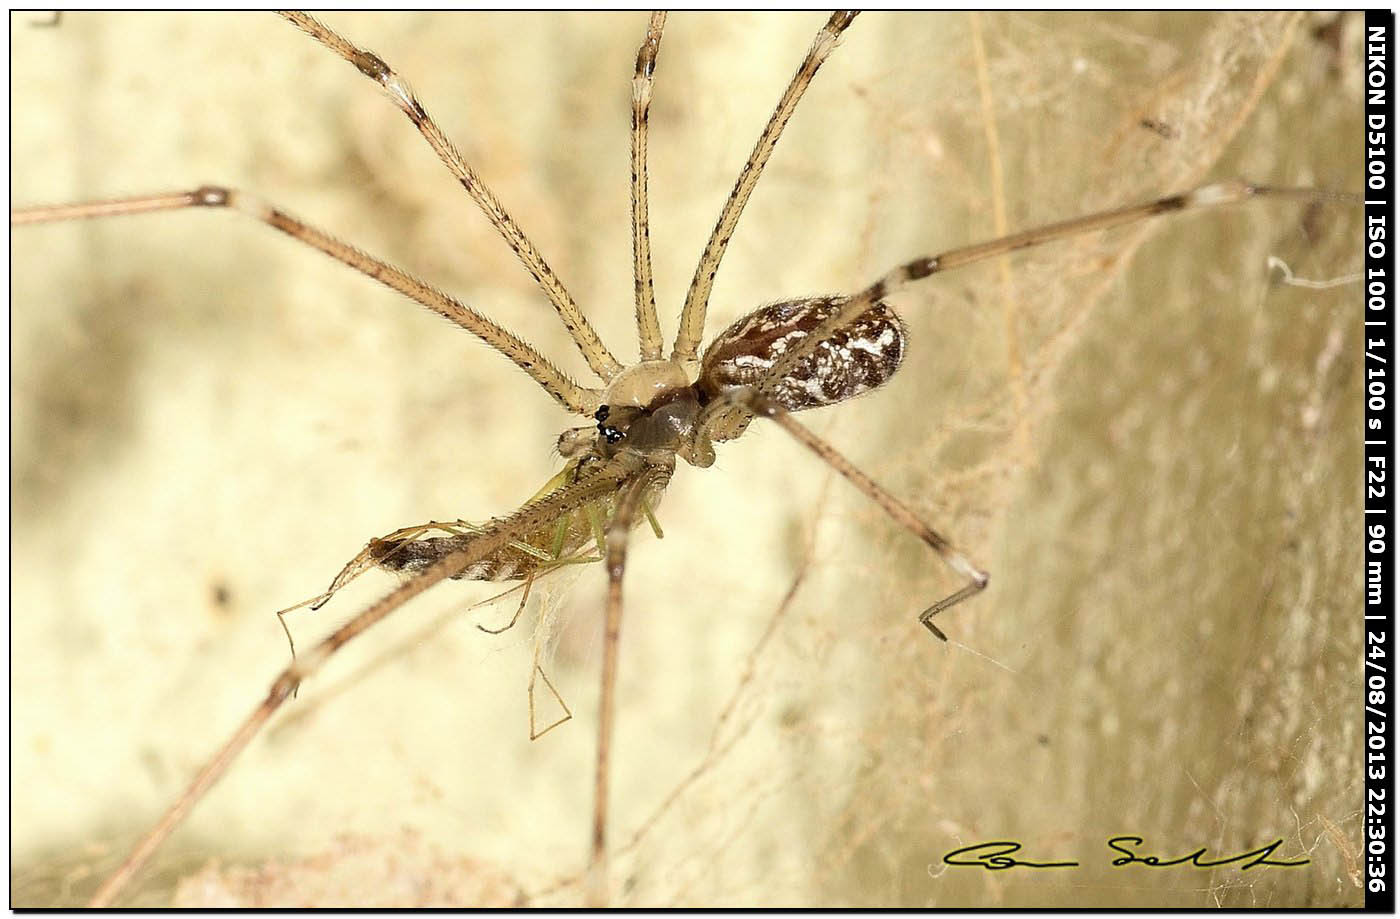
(856, 358)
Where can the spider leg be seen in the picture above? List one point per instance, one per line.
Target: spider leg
(765, 407)
(648, 327)
(618, 531)
(571, 395)
(401, 94)
(1218, 194)
(697, 298)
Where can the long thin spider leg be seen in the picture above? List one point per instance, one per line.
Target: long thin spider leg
(565, 391)
(648, 328)
(492, 536)
(115, 207)
(976, 578)
(401, 94)
(697, 299)
(1207, 196)
(619, 529)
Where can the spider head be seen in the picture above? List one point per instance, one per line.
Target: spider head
(650, 409)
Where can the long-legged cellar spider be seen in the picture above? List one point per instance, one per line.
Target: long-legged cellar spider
(208, 420)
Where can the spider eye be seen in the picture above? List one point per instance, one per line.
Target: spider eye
(611, 434)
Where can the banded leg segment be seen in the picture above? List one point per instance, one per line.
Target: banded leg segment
(1207, 196)
(401, 94)
(648, 328)
(697, 299)
(565, 391)
(976, 578)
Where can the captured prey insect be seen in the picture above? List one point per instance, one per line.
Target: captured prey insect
(610, 440)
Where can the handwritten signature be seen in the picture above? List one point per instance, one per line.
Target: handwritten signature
(997, 855)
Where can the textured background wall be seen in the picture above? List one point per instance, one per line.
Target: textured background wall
(208, 421)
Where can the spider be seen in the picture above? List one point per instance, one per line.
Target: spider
(671, 58)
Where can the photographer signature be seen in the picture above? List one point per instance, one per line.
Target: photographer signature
(997, 855)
